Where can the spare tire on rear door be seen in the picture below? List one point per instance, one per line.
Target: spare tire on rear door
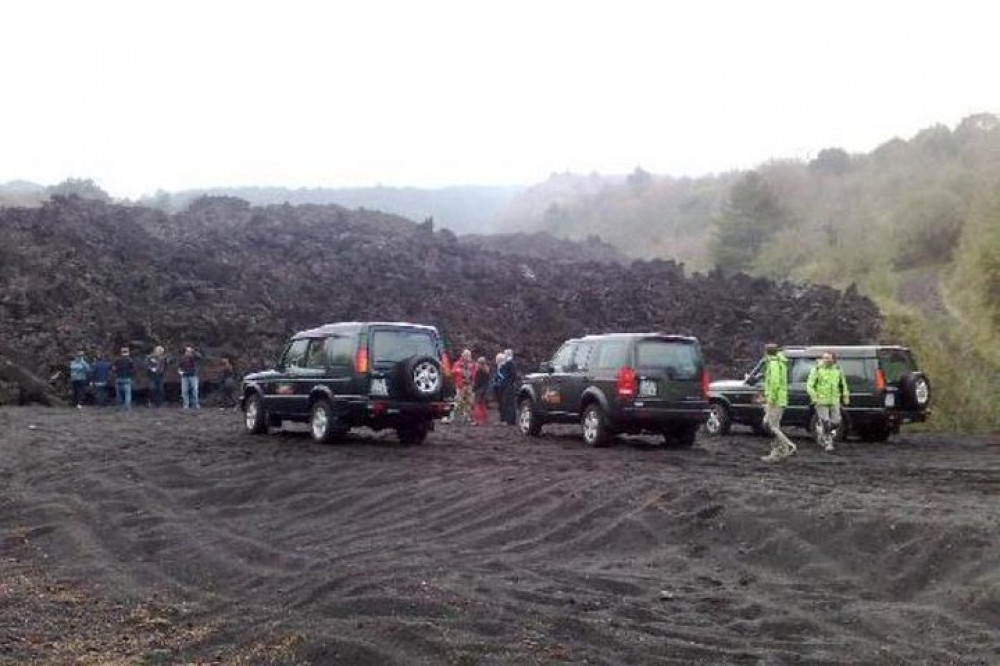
(916, 390)
(421, 378)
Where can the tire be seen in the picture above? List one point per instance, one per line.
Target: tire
(412, 434)
(255, 419)
(682, 437)
(719, 423)
(595, 426)
(916, 390)
(323, 422)
(527, 418)
(422, 378)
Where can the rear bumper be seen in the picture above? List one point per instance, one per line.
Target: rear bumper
(653, 417)
(862, 417)
(387, 413)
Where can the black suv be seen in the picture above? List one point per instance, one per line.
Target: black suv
(887, 390)
(620, 382)
(346, 375)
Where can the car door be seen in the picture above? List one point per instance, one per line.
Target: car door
(279, 392)
(550, 387)
(577, 377)
(799, 408)
(743, 401)
(306, 376)
(668, 371)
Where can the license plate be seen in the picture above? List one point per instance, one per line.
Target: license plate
(890, 399)
(647, 387)
(379, 387)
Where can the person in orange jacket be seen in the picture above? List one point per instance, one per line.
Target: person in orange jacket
(463, 371)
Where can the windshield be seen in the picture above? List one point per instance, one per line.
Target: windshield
(393, 345)
(681, 360)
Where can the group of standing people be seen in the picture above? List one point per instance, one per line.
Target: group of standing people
(827, 389)
(475, 381)
(120, 375)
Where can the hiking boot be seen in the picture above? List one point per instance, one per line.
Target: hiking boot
(828, 445)
(773, 456)
(788, 450)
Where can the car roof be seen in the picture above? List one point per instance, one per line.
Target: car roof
(842, 351)
(635, 336)
(355, 326)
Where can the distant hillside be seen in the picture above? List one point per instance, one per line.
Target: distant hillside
(236, 279)
(463, 209)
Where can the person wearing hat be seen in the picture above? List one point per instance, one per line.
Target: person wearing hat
(775, 399)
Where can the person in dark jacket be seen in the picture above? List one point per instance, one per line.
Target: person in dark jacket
(156, 366)
(187, 366)
(228, 383)
(124, 370)
(79, 373)
(100, 375)
(505, 386)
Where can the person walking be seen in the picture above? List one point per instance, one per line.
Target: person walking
(100, 375)
(480, 391)
(827, 388)
(775, 399)
(462, 373)
(124, 370)
(79, 373)
(156, 366)
(187, 367)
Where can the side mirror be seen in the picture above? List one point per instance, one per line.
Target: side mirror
(751, 380)
(546, 367)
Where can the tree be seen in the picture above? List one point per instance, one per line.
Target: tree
(85, 188)
(750, 217)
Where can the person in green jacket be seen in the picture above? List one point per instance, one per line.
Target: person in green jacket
(775, 399)
(827, 388)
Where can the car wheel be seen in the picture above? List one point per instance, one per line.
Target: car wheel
(680, 436)
(718, 422)
(527, 419)
(254, 417)
(423, 378)
(322, 422)
(412, 434)
(595, 426)
(916, 390)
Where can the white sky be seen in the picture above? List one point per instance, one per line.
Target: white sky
(140, 95)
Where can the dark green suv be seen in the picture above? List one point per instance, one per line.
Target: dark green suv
(346, 375)
(619, 383)
(887, 390)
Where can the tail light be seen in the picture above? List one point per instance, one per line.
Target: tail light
(879, 381)
(625, 383)
(704, 384)
(361, 361)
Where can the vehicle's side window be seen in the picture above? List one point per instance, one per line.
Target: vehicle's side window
(583, 356)
(610, 355)
(895, 364)
(564, 357)
(800, 370)
(859, 373)
(315, 356)
(295, 354)
(340, 350)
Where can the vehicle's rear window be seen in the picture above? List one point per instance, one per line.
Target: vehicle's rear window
(681, 360)
(895, 364)
(397, 344)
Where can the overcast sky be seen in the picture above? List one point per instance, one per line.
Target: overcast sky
(140, 95)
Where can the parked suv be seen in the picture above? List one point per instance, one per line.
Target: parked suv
(620, 382)
(346, 375)
(887, 390)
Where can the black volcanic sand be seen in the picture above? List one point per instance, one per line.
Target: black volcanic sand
(164, 537)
